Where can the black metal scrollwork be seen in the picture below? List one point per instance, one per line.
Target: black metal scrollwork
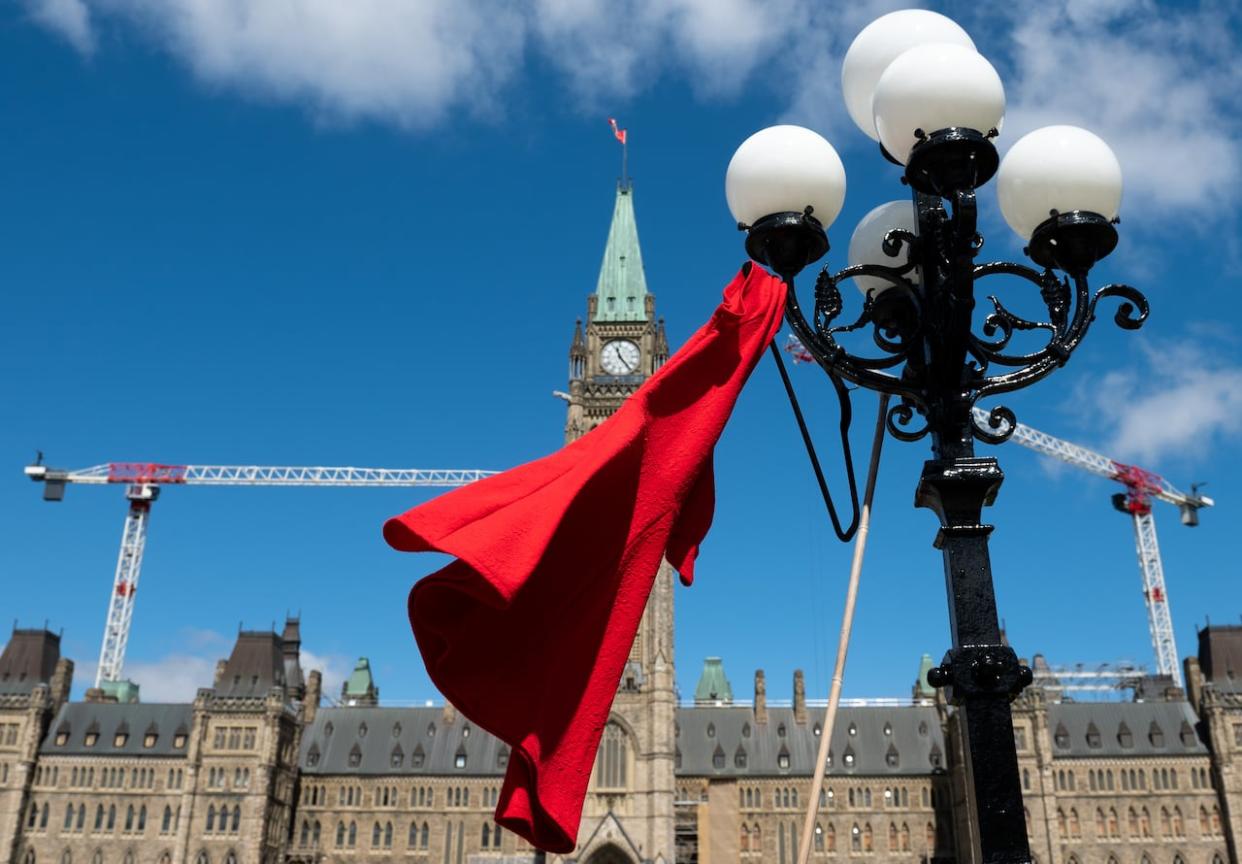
(932, 288)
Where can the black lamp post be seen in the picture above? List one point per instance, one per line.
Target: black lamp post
(1059, 187)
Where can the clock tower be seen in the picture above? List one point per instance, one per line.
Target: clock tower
(629, 808)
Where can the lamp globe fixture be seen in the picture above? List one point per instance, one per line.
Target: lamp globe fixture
(1057, 168)
(867, 242)
(785, 169)
(879, 44)
(933, 87)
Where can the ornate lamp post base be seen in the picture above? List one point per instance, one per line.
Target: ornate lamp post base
(982, 675)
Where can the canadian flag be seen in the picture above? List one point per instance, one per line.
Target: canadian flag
(620, 133)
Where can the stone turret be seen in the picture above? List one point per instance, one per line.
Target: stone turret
(314, 692)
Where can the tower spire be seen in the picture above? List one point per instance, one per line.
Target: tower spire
(621, 293)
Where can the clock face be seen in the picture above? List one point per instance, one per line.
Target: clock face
(620, 357)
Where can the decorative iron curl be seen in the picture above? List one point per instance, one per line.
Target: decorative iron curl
(900, 416)
(1131, 314)
(1000, 427)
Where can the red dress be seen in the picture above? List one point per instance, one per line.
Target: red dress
(528, 631)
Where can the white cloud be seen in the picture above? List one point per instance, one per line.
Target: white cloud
(1160, 85)
(1171, 404)
(173, 678)
(335, 669)
(177, 677)
(68, 18)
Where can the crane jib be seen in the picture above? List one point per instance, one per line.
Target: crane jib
(145, 472)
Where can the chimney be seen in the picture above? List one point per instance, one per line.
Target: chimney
(761, 698)
(221, 665)
(314, 689)
(449, 717)
(62, 682)
(799, 698)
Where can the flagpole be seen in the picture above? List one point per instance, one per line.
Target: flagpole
(625, 148)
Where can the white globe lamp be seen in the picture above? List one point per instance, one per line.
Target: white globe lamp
(867, 242)
(879, 44)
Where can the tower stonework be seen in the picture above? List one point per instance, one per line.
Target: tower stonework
(622, 343)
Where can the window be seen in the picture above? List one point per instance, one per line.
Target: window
(1155, 735)
(179, 741)
(848, 757)
(417, 757)
(340, 834)
(353, 834)
(611, 761)
(459, 760)
(62, 736)
(1124, 736)
(1019, 737)
(90, 739)
(148, 740)
(782, 758)
(355, 756)
(1061, 737)
(739, 757)
(718, 758)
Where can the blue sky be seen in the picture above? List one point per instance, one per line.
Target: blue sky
(314, 234)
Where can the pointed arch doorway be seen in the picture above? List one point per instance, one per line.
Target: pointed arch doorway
(609, 854)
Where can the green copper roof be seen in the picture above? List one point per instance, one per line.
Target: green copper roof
(124, 691)
(359, 682)
(622, 287)
(923, 690)
(713, 686)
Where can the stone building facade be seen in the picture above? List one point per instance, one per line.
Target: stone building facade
(255, 770)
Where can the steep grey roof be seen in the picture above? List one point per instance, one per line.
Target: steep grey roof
(1155, 729)
(337, 743)
(107, 719)
(908, 736)
(28, 659)
(256, 665)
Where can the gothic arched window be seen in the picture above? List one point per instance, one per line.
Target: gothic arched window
(611, 760)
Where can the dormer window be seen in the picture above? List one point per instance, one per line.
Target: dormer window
(1093, 736)
(745, 730)
(718, 758)
(817, 730)
(312, 756)
(91, 738)
(120, 739)
(853, 730)
(362, 730)
(502, 757)
(848, 758)
(431, 730)
(62, 736)
(397, 757)
(888, 729)
(1155, 735)
(739, 758)
(179, 740)
(396, 730)
(891, 758)
(328, 729)
(465, 731)
(1061, 737)
(1125, 737)
(417, 757)
(782, 759)
(711, 730)
(148, 740)
(1188, 735)
(459, 760)
(780, 731)
(355, 756)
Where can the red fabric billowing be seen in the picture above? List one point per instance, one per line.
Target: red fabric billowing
(527, 632)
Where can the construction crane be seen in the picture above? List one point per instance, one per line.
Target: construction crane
(143, 480)
(1142, 487)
